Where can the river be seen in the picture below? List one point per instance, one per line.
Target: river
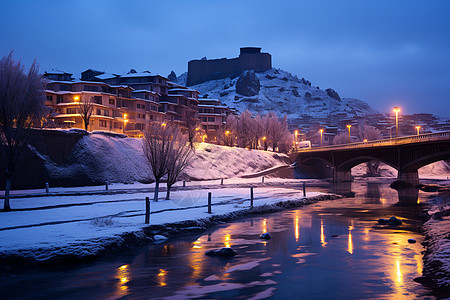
(328, 250)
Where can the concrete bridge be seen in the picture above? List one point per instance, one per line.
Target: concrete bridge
(405, 154)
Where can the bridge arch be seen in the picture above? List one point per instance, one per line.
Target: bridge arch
(426, 160)
(349, 164)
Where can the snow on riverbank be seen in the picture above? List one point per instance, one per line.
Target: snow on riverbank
(80, 226)
(437, 241)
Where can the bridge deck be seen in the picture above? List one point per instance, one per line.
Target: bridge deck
(444, 135)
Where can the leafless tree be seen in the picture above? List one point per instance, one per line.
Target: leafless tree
(341, 138)
(179, 158)
(370, 133)
(85, 108)
(21, 108)
(192, 123)
(158, 147)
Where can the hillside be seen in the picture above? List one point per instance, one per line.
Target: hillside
(99, 158)
(280, 91)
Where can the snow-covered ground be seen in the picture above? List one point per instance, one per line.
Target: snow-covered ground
(106, 158)
(44, 227)
(437, 238)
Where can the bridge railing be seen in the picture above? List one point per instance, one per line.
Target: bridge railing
(386, 142)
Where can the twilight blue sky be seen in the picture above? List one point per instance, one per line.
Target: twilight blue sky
(387, 53)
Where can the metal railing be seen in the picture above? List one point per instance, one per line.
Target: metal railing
(444, 135)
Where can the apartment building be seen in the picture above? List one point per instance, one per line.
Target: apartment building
(173, 99)
(212, 114)
(116, 108)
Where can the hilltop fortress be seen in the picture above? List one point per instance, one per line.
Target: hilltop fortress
(250, 58)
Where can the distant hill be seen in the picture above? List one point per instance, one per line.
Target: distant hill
(280, 91)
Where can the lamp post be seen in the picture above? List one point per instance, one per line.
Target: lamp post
(396, 110)
(295, 140)
(349, 139)
(125, 121)
(321, 135)
(264, 142)
(227, 133)
(418, 129)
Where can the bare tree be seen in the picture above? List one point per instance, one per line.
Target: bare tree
(21, 108)
(179, 158)
(158, 145)
(370, 133)
(192, 123)
(85, 108)
(341, 138)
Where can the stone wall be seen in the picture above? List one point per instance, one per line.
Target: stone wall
(249, 59)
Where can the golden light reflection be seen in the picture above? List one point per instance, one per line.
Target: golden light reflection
(399, 271)
(322, 235)
(264, 224)
(418, 259)
(197, 244)
(227, 240)
(366, 233)
(297, 229)
(383, 201)
(350, 240)
(162, 277)
(123, 274)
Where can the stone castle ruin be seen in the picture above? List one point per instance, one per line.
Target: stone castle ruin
(250, 58)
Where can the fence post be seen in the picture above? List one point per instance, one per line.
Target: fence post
(221, 181)
(251, 196)
(262, 179)
(184, 183)
(106, 186)
(147, 210)
(47, 188)
(209, 203)
(304, 189)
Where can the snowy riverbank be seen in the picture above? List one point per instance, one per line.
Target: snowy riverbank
(437, 243)
(57, 228)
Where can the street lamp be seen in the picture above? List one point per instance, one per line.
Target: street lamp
(418, 129)
(396, 110)
(349, 139)
(321, 135)
(163, 125)
(295, 141)
(204, 137)
(125, 121)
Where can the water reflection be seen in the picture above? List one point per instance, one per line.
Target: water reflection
(350, 240)
(123, 275)
(322, 234)
(342, 253)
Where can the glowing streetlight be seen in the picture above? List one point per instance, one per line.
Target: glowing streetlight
(295, 141)
(365, 141)
(396, 110)
(418, 129)
(349, 139)
(76, 98)
(204, 137)
(227, 132)
(125, 121)
(321, 135)
(163, 125)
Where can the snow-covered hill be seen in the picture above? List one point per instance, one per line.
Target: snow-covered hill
(282, 92)
(99, 158)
